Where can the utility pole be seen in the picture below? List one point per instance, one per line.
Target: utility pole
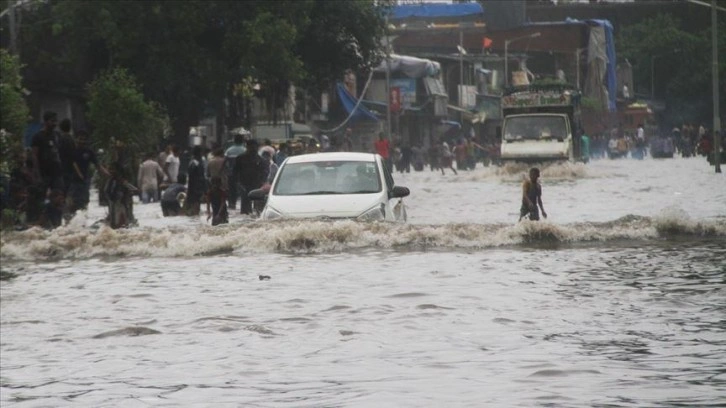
(714, 80)
(577, 65)
(388, 83)
(11, 27)
(461, 76)
(652, 78)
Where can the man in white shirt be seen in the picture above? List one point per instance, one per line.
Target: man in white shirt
(172, 165)
(640, 142)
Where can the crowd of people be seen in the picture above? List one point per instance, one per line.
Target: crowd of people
(451, 148)
(687, 140)
(51, 180)
(440, 156)
(217, 178)
(690, 140)
(54, 177)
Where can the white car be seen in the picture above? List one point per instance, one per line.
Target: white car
(332, 186)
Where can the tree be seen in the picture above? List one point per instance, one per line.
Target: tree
(308, 43)
(341, 35)
(167, 46)
(680, 70)
(14, 113)
(119, 113)
(188, 55)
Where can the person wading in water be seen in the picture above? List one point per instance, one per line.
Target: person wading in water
(532, 197)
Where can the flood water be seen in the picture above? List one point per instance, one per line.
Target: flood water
(617, 300)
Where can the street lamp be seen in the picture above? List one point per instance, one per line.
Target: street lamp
(506, 54)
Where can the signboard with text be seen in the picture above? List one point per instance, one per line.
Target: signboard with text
(467, 96)
(536, 99)
(407, 90)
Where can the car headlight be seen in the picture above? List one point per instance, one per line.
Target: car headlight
(270, 213)
(377, 213)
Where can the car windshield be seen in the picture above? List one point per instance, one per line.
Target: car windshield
(328, 177)
(535, 128)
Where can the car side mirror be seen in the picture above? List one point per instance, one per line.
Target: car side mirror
(257, 194)
(399, 192)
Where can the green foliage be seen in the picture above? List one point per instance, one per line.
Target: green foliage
(549, 81)
(341, 34)
(269, 41)
(9, 218)
(167, 46)
(189, 54)
(677, 62)
(14, 113)
(306, 42)
(118, 113)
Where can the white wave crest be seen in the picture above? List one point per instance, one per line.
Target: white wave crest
(331, 236)
(512, 171)
(515, 171)
(675, 221)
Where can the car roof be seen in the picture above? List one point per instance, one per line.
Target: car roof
(332, 156)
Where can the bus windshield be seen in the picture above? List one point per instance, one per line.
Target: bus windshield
(535, 128)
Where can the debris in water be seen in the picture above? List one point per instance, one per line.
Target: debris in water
(128, 331)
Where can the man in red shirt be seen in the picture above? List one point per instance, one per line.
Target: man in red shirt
(383, 148)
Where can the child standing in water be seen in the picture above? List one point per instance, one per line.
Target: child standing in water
(532, 197)
(217, 199)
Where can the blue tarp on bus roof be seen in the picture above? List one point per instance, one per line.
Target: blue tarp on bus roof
(611, 80)
(428, 10)
(610, 49)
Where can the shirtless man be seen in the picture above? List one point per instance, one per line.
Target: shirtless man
(532, 197)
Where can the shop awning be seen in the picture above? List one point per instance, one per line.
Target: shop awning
(349, 102)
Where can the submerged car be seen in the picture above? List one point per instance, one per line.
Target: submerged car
(334, 185)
